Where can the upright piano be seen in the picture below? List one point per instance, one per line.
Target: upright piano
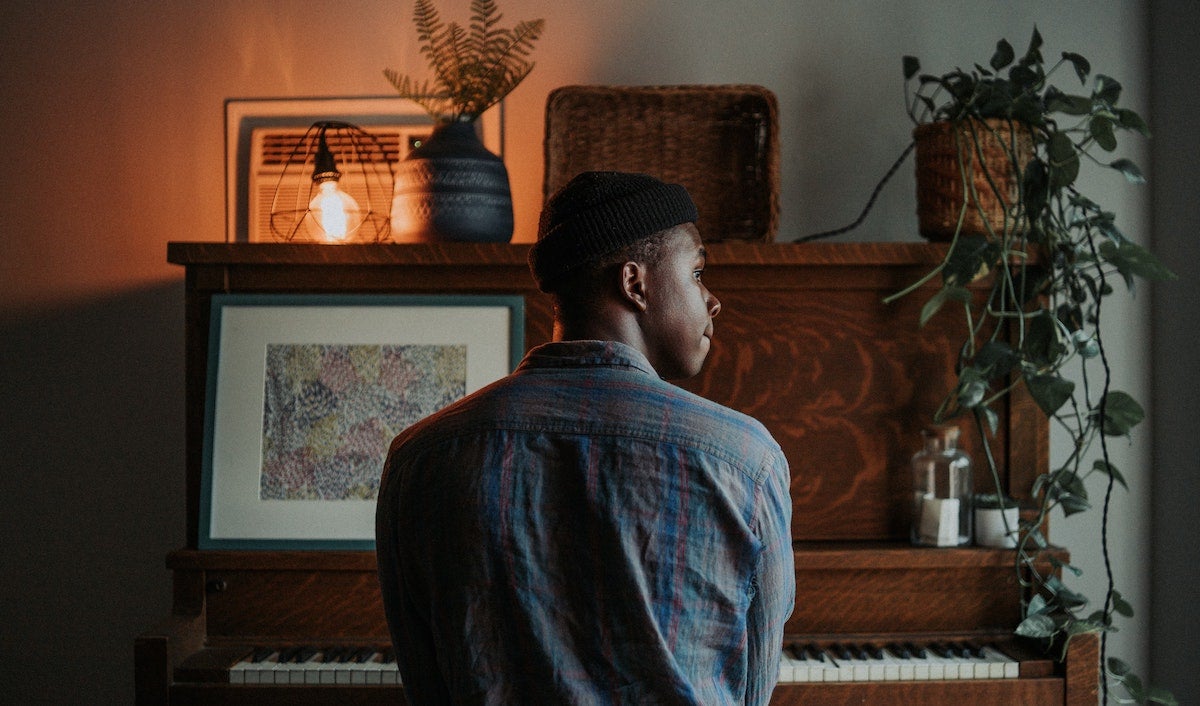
(805, 344)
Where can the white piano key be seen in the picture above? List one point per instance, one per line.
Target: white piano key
(1008, 667)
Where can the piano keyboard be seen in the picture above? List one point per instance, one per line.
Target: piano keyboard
(852, 662)
(313, 666)
(801, 662)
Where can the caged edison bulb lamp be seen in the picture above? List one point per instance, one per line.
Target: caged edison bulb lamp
(335, 187)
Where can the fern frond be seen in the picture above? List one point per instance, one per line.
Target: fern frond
(437, 103)
(473, 68)
(484, 18)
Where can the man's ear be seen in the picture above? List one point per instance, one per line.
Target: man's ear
(633, 285)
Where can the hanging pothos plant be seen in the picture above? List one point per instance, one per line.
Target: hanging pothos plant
(1046, 264)
(473, 68)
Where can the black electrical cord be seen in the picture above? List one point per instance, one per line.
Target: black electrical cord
(870, 202)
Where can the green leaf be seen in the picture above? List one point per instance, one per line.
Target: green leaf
(1003, 56)
(1131, 120)
(1101, 129)
(1059, 102)
(1059, 147)
(1118, 667)
(1034, 186)
(1064, 160)
(1110, 470)
(1042, 346)
(911, 66)
(947, 293)
(1037, 605)
(1079, 627)
(1050, 392)
(1107, 90)
(1160, 695)
(1133, 684)
(1066, 596)
(1037, 626)
(996, 359)
(1121, 606)
(1033, 55)
(1133, 260)
(1132, 174)
(1121, 413)
(973, 256)
(972, 387)
(1068, 490)
(1060, 564)
(1081, 65)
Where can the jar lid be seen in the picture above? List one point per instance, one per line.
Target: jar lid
(942, 432)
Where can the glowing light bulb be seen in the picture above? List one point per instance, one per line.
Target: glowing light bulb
(335, 212)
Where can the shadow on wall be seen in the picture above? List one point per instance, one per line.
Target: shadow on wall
(91, 491)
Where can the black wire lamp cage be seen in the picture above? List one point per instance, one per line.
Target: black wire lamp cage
(335, 187)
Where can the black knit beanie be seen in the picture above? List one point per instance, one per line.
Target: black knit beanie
(598, 213)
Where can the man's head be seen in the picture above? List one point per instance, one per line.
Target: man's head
(622, 257)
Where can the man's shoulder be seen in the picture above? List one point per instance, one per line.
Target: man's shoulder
(724, 416)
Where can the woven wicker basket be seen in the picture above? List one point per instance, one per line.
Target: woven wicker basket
(986, 149)
(719, 141)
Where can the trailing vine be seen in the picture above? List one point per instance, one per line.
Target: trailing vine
(1047, 268)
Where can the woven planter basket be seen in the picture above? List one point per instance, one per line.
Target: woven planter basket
(720, 141)
(985, 148)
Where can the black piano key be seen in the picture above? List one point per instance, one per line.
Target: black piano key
(873, 651)
(973, 650)
(901, 650)
(288, 654)
(261, 654)
(916, 651)
(814, 653)
(858, 652)
(305, 653)
(364, 654)
(389, 656)
(940, 650)
(840, 651)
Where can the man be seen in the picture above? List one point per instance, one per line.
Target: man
(583, 532)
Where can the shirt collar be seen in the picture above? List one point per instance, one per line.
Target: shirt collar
(577, 354)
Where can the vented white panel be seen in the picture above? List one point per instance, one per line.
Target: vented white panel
(271, 148)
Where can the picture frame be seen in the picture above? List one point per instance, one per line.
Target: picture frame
(305, 392)
(246, 118)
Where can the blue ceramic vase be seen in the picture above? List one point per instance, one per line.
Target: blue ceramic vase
(452, 188)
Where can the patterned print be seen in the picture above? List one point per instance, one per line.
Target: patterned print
(329, 412)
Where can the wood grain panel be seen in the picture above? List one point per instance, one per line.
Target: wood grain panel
(804, 343)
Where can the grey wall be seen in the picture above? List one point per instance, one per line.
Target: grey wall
(113, 146)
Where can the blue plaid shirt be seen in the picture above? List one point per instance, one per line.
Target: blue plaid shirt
(583, 532)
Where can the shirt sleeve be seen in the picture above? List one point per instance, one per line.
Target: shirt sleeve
(775, 582)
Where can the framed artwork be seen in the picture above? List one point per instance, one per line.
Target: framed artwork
(306, 392)
(259, 133)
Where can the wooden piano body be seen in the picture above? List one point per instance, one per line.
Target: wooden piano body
(803, 343)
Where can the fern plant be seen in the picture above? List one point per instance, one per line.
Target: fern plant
(473, 68)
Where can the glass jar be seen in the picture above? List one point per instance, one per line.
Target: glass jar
(941, 490)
